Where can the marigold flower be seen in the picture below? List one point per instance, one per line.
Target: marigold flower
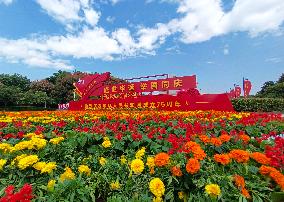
(157, 199)
(225, 138)
(27, 161)
(216, 141)
(140, 153)
(191, 147)
(2, 163)
(157, 187)
(102, 161)
(224, 159)
(137, 166)
(265, 170)
(176, 171)
(50, 185)
(67, 175)
(56, 140)
(162, 159)
(192, 166)
(204, 138)
(199, 154)
(123, 160)
(106, 143)
(5, 147)
(84, 169)
(150, 162)
(245, 138)
(240, 183)
(213, 190)
(115, 185)
(239, 155)
(181, 195)
(260, 158)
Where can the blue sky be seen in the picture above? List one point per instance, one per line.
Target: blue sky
(219, 41)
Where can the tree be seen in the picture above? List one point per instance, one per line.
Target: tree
(9, 95)
(16, 80)
(272, 89)
(281, 79)
(42, 85)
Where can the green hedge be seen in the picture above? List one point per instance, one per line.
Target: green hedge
(25, 108)
(258, 104)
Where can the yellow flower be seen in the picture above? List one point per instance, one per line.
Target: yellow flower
(123, 160)
(102, 161)
(27, 161)
(5, 147)
(150, 162)
(45, 167)
(84, 169)
(67, 175)
(137, 166)
(115, 185)
(56, 140)
(106, 143)
(157, 187)
(50, 185)
(140, 153)
(180, 195)
(18, 158)
(2, 163)
(157, 199)
(213, 189)
(38, 143)
(34, 143)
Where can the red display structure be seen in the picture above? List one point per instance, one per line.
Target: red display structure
(177, 93)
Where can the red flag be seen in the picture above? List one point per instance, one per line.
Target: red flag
(246, 87)
(238, 91)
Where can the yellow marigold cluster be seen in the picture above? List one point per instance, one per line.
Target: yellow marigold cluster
(31, 135)
(27, 161)
(56, 140)
(5, 147)
(123, 159)
(115, 185)
(151, 164)
(34, 143)
(106, 143)
(50, 185)
(44, 167)
(140, 153)
(2, 163)
(213, 190)
(84, 169)
(67, 175)
(137, 166)
(18, 158)
(102, 161)
(157, 187)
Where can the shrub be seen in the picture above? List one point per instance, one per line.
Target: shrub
(258, 104)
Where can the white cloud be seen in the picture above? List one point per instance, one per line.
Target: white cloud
(31, 53)
(6, 2)
(110, 19)
(273, 60)
(92, 17)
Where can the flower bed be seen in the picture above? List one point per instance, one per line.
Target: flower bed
(140, 156)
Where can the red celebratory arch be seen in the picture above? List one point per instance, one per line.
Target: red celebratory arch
(177, 93)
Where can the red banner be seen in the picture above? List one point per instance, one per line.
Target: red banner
(246, 87)
(219, 102)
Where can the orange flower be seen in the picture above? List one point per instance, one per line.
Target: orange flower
(204, 138)
(260, 158)
(265, 170)
(245, 138)
(277, 176)
(162, 159)
(192, 166)
(224, 159)
(239, 155)
(225, 138)
(176, 171)
(216, 142)
(245, 193)
(240, 183)
(191, 146)
(199, 154)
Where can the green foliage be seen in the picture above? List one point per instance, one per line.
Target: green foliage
(15, 80)
(272, 89)
(258, 104)
(9, 95)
